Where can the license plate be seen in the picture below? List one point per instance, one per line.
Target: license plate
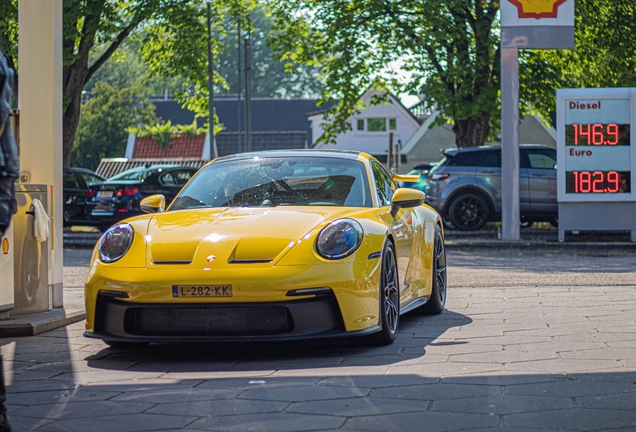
(179, 291)
(104, 194)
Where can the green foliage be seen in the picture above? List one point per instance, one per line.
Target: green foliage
(9, 29)
(604, 55)
(102, 131)
(191, 129)
(163, 133)
(446, 47)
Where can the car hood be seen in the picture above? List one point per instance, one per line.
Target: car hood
(226, 236)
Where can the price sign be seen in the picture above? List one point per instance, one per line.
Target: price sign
(597, 148)
(596, 156)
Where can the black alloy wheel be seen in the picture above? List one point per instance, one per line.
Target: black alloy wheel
(468, 212)
(436, 303)
(389, 298)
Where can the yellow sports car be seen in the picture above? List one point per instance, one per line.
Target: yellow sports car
(275, 245)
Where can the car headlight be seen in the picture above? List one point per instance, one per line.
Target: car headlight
(339, 239)
(115, 242)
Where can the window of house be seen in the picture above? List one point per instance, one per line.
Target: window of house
(376, 124)
(360, 124)
(392, 124)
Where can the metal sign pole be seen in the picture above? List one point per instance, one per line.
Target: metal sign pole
(510, 216)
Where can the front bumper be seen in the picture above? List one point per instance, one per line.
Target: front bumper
(317, 317)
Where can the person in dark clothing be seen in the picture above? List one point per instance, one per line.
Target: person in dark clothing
(9, 171)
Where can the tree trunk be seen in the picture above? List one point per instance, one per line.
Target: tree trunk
(472, 132)
(74, 81)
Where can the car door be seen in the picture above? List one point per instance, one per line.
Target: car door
(74, 193)
(401, 226)
(488, 177)
(542, 181)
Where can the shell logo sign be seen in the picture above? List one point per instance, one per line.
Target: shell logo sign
(537, 8)
(5, 246)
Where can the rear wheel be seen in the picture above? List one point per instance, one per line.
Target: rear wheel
(436, 303)
(389, 298)
(468, 212)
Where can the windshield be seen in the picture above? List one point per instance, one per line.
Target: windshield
(135, 174)
(276, 181)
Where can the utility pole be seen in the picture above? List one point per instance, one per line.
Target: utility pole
(211, 84)
(238, 55)
(248, 89)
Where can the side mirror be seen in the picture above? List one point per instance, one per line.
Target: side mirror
(153, 204)
(406, 198)
(406, 178)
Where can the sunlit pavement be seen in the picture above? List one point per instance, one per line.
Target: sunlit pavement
(532, 340)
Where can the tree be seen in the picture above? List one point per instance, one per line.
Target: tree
(91, 26)
(448, 47)
(604, 55)
(100, 135)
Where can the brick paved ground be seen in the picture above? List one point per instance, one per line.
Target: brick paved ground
(532, 340)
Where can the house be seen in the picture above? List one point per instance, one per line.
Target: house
(276, 124)
(370, 128)
(428, 142)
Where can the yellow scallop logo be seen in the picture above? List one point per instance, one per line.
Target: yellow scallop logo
(5, 246)
(537, 8)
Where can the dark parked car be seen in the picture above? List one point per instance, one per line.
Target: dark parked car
(76, 182)
(465, 187)
(118, 197)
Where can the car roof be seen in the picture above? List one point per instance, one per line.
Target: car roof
(340, 154)
(453, 151)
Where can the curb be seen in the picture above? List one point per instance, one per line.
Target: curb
(36, 323)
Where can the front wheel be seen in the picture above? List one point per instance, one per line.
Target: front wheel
(389, 298)
(436, 303)
(468, 212)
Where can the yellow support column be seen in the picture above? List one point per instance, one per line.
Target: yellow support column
(40, 104)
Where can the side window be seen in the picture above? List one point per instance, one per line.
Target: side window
(70, 182)
(469, 158)
(542, 159)
(383, 184)
(90, 178)
(491, 158)
(181, 177)
(168, 179)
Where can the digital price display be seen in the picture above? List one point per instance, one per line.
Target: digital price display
(595, 160)
(597, 147)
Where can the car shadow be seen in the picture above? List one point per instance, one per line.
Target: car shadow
(415, 334)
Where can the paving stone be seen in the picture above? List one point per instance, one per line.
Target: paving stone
(503, 357)
(622, 401)
(82, 409)
(258, 382)
(98, 376)
(39, 385)
(574, 419)
(396, 360)
(570, 388)
(452, 348)
(603, 353)
(169, 395)
(208, 408)
(27, 423)
(614, 376)
(502, 404)
(445, 369)
(120, 423)
(435, 391)
(358, 407)
(279, 422)
(429, 421)
(298, 394)
(378, 381)
(81, 394)
(563, 365)
(502, 378)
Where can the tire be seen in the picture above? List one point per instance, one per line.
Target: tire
(468, 212)
(436, 303)
(389, 298)
(126, 345)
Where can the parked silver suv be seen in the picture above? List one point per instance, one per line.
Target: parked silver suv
(465, 187)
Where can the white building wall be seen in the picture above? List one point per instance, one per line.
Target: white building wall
(363, 140)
